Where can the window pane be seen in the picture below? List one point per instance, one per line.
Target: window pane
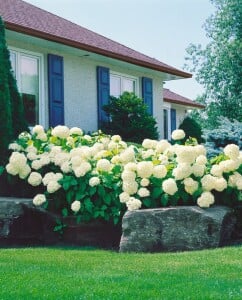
(115, 86)
(29, 76)
(165, 123)
(13, 61)
(128, 85)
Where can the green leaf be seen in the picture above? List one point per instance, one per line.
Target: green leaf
(88, 205)
(157, 191)
(101, 191)
(107, 199)
(164, 200)
(64, 212)
(1, 170)
(147, 202)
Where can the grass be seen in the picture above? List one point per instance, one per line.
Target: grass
(72, 273)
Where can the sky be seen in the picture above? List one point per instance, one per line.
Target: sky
(162, 29)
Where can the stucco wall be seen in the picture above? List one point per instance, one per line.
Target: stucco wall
(80, 87)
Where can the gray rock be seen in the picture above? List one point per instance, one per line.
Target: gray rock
(176, 229)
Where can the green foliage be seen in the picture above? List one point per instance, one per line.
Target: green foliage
(11, 106)
(129, 118)
(6, 129)
(227, 133)
(191, 129)
(218, 66)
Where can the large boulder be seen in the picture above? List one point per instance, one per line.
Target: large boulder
(176, 229)
(21, 223)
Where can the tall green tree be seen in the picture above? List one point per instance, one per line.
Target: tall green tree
(218, 67)
(6, 129)
(12, 117)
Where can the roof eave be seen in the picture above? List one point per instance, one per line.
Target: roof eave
(195, 105)
(54, 38)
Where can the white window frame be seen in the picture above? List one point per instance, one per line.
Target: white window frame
(40, 57)
(168, 109)
(123, 76)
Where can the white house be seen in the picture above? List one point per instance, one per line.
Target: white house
(66, 72)
(175, 108)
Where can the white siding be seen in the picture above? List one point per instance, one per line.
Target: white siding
(80, 86)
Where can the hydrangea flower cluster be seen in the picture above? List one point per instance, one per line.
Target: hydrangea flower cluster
(100, 176)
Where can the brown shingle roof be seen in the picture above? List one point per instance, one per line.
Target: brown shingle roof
(172, 97)
(23, 17)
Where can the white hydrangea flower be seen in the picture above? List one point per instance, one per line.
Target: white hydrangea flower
(11, 169)
(232, 151)
(216, 170)
(105, 141)
(65, 167)
(112, 146)
(70, 141)
(200, 150)
(35, 179)
(18, 159)
(164, 160)
(14, 147)
(185, 154)
(83, 169)
(130, 187)
(104, 165)
(116, 138)
(53, 186)
(42, 137)
(182, 171)
(159, 171)
(201, 160)
(144, 182)
(115, 159)
(36, 164)
(145, 169)
(76, 131)
(190, 185)
(149, 144)
(220, 184)
(143, 192)
(76, 161)
(198, 170)
(61, 131)
(39, 199)
(93, 181)
(60, 158)
(128, 175)
(162, 145)
(128, 155)
(205, 200)
(169, 186)
(32, 156)
(133, 204)
(124, 197)
(38, 129)
(208, 182)
(24, 172)
(235, 180)
(51, 176)
(130, 166)
(178, 134)
(75, 206)
(148, 153)
(229, 165)
(31, 149)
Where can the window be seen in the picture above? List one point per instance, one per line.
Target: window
(120, 83)
(165, 123)
(26, 68)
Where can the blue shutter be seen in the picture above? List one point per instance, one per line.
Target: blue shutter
(147, 93)
(103, 92)
(173, 119)
(56, 90)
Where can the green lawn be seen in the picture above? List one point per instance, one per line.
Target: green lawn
(67, 273)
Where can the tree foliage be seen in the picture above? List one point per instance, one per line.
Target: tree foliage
(12, 120)
(129, 118)
(191, 129)
(218, 67)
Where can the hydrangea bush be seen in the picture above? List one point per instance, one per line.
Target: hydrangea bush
(100, 176)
